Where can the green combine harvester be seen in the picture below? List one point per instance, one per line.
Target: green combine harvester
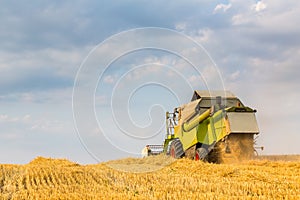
(215, 126)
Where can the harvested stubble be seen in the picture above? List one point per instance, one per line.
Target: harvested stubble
(45, 178)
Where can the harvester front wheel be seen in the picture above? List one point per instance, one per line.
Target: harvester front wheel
(176, 149)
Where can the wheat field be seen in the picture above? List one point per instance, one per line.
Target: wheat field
(154, 177)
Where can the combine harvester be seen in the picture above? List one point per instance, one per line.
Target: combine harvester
(215, 126)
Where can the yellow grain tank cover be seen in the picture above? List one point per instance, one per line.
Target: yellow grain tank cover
(188, 110)
(195, 121)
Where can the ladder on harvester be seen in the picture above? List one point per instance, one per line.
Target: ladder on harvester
(171, 119)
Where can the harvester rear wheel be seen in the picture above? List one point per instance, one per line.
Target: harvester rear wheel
(201, 153)
(176, 149)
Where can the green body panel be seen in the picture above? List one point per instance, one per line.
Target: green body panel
(187, 138)
(210, 130)
(217, 127)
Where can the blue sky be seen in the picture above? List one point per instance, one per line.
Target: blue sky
(255, 45)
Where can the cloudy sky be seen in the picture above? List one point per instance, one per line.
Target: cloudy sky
(253, 48)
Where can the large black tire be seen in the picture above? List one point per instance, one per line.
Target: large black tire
(201, 153)
(176, 149)
(215, 155)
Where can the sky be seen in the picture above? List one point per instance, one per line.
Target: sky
(91, 81)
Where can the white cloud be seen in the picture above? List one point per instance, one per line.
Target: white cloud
(63, 62)
(109, 79)
(194, 80)
(143, 72)
(26, 118)
(27, 122)
(101, 100)
(222, 8)
(207, 77)
(235, 75)
(181, 26)
(6, 118)
(3, 118)
(27, 97)
(15, 119)
(247, 13)
(48, 96)
(240, 19)
(259, 6)
(49, 126)
(204, 35)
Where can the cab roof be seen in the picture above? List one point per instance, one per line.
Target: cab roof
(198, 94)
